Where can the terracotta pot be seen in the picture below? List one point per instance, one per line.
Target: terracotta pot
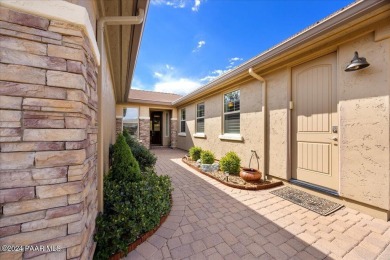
(249, 174)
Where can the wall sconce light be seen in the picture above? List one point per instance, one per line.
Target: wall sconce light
(357, 63)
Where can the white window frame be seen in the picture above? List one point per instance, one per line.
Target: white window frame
(181, 132)
(230, 136)
(200, 117)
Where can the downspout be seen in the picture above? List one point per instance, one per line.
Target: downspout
(102, 22)
(264, 108)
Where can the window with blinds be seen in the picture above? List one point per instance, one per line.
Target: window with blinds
(231, 111)
(200, 118)
(183, 120)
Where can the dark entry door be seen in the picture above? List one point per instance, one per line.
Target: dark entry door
(156, 128)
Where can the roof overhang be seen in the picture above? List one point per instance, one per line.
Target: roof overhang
(310, 39)
(123, 42)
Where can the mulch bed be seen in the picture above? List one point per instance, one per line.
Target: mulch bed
(142, 238)
(234, 181)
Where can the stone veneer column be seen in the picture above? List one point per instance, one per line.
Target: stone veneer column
(173, 132)
(119, 125)
(48, 135)
(144, 131)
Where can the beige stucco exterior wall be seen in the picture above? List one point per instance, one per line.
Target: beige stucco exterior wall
(251, 124)
(108, 114)
(364, 123)
(363, 108)
(277, 123)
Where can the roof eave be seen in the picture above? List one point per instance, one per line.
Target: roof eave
(348, 14)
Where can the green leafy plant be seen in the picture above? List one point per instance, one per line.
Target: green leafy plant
(145, 158)
(195, 152)
(133, 203)
(207, 157)
(230, 163)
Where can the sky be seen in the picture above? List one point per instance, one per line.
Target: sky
(188, 43)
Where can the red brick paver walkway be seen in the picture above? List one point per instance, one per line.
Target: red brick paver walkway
(212, 221)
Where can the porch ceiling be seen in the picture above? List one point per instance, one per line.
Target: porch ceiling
(123, 42)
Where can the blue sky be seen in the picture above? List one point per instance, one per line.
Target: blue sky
(187, 43)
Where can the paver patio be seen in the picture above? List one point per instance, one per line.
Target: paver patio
(212, 221)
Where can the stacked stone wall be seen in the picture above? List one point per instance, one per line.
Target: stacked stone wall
(48, 136)
(144, 132)
(173, 133)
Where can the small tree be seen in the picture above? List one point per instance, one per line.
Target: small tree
(230, 163)
(125, 166)
(207, 157)
(195, 153)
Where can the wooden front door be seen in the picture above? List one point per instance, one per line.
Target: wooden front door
(156, 128)
(315, 123)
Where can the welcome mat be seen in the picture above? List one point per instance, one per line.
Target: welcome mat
(319, 205)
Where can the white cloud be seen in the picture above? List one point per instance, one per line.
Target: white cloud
(214, 74)
(196, 6)
(178, 3)
(136, 84)
(235, 59)
(200, 45)
(173, 3)
(181, 86)
(168, 81)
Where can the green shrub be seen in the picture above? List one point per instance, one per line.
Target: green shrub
(230, 163)
(195, 152)
(124, 167)
(207, 157)
(145, 158)
(132, 206)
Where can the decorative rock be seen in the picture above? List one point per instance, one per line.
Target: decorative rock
(54, 135)
(31, 146)
(15, 208)
(43, 123)
(29, 30)
(23, 74)
(46, 223)
(206, 167)
(198, 163)
(66, 52)
(28, 20)
(10, 116)
(22, 218)
(65, 79)
(16, 160)
(12, 195)
(35, 236)
(10, 230)
(59, 158)
(23, 45)
(10, 102)
(27, 59)
(64, 211)
(30, 90)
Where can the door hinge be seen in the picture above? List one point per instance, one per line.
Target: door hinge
(291, 105)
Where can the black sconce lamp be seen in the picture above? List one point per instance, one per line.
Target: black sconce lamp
(357, 63)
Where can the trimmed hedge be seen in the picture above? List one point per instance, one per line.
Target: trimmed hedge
(195, 153)
(145, 158)
(230, 163)
(133, 203)
(207, 157)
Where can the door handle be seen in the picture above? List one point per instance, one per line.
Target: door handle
(334, 138)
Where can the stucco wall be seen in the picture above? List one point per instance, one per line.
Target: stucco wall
(364, 123)
(277, 124)
(109, 114)
(251, 124)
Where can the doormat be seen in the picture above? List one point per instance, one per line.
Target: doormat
(319, 205)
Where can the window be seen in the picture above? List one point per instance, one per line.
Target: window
(200, 118)
(231, 109)
(130, 121)
(183, 120)
(167, 124)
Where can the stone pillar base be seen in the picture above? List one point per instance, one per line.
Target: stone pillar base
(173, 133)
(144, 132)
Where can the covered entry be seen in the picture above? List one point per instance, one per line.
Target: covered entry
(315, 123)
